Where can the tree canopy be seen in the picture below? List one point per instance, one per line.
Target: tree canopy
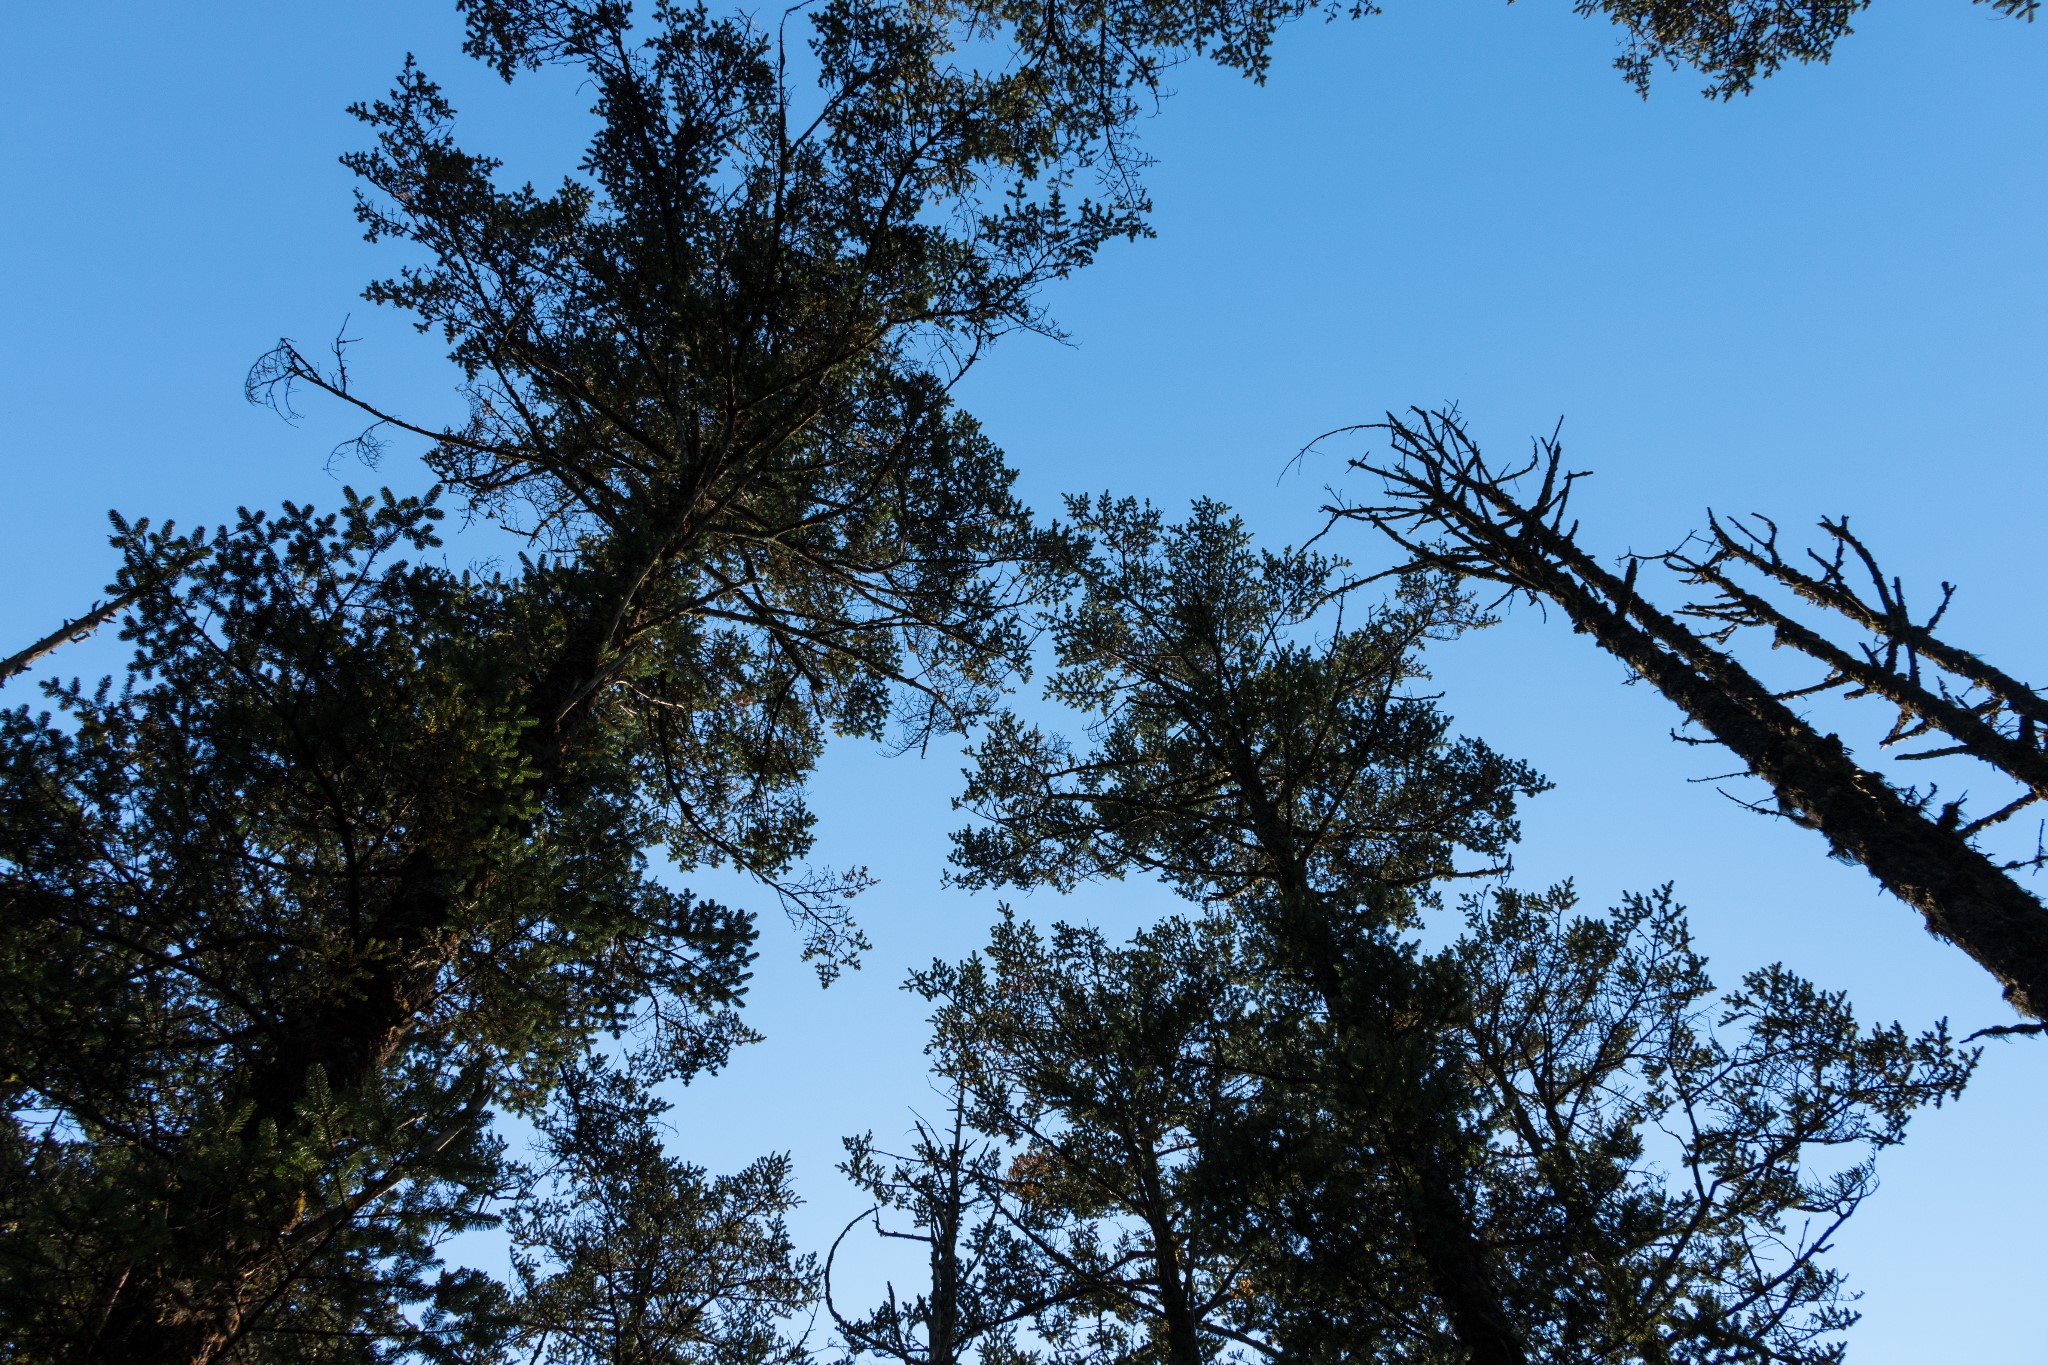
(1311, 1137)
(351, 916)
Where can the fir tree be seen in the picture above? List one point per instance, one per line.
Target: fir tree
(1425, 1156)
(360, 850)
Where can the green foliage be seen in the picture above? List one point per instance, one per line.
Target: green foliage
(1550, 1141)
(1102, 1071)
(1736, 43)
(629, 1254)
(361, 848)
(1235, 757)
(204, 865)
(361, 851)
(1674, 1161)
(948, 1190)
(1172, 1151)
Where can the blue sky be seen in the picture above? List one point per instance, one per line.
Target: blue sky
(1827, 297)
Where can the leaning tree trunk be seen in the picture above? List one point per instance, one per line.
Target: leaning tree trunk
(1452, 512)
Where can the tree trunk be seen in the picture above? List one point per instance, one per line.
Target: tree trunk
(1455, 1258)
(154, 1319)
(1439, 482)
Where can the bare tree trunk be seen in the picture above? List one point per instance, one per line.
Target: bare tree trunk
(1441, 488)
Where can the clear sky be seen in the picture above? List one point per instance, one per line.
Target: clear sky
(1827, 297)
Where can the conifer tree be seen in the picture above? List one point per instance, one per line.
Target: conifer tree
(361, 850)
(628, 1254)
(1671, 1162)
(1170, 1161)
(1454, 512)
(1103, 1071)
(945, 1195)
(1088, 1081)
(1438, 1156)
(1292, 781)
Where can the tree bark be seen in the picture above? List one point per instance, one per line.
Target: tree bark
(1961, 894)
(152, 1320)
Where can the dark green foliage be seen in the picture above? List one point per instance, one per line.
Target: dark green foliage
(694, 366)
(627, 1254)
(948, 1191)
(1669, 1162)
(1178, 1154)
(362, 850)
(1064, 1197)
(1426, 1156)
(211, 874)
(1736, 43)
(1102, 1070)
(1288, 779)
(1235, 757)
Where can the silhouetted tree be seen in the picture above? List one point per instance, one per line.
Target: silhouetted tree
(1736, 43)
(625, 1254)
(1101, 1069)
(1293, 781)
(946, 1195)
(1168, 1161)
(1422, 1156)
(1453, 512)
(359, 850)
(1669, 1163)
